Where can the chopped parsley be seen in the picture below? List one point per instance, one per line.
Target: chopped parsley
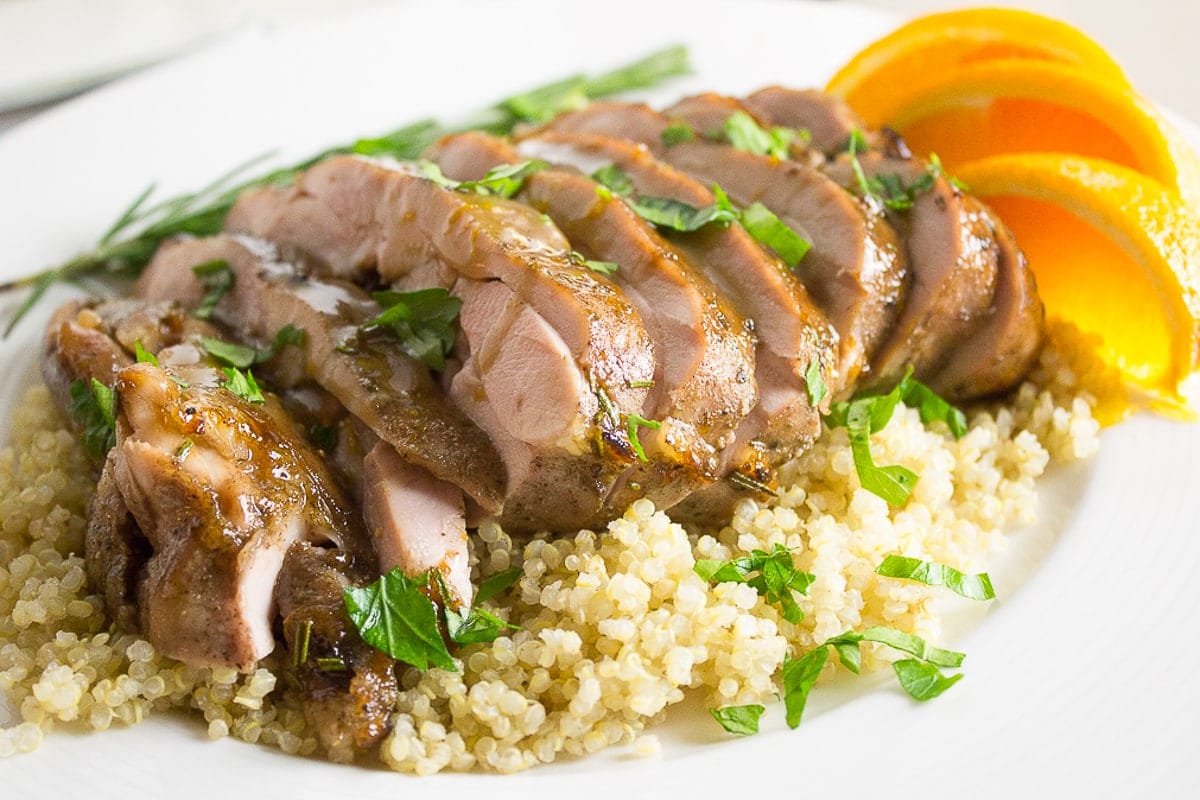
(493, 585)
(919, 676)
(603, 267)
(677, 133)
(769, 230)
(815, 384)
(972, 587)
(868, 415)
(394, 615)
(93, 407)
(889, 188)
(243, 356)
(922, 681)
(772, 574)
(739, 720)
(242, 384)
(217, 279)
(615, 179)
(675, 215)
(503, 180)
(142, 356)
(745, 133)
(423, 321)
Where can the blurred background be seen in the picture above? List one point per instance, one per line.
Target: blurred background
(52, 49)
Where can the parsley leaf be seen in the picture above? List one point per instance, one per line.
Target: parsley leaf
(918, 676)
(142, 356)
(867, 415)
(243, 356)
(242, 384)
(615, 179)
(740, 720)
(393, 615)
(217, 279)
(776, 578)
(815, 384)
(603, 267)
(422, 321)
(677, 133)
(768, 229)
(475, 625)
(972, 587)
(495, 584)
(503, 180)
(679, 216)
(746, 134)
(921, 680)
(93, 408)
(798, 678)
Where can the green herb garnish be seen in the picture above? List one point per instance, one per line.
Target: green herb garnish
(393, 615)
(243, 356)
(503, 180)
(746, 134)
(93, 407)
(614, 179)
(422, 321)
(474, 625)
(131, 241)
(242, 384)
(739, 720)
(867, 415)
(921, 680)
(184, 448)
(972, 587)
(919, 676)
(677, 133)
(632, 423)
(663, 212)
(303, 638)
(217, 279)
(495, 584)
(769, 230)
(142, 356)
(815, 384)
(772, 574)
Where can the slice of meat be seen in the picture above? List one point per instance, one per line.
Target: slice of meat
(828, 120)
(376, 381)
(519, 283)
(114, 550)
(361, 216)
(708, 114)
(855, 271)
(952, 256)
(703, 383)
(349, 689)
(221, 488)
(1005, 344)
(416, 521)
(792, 334)
(79, 347)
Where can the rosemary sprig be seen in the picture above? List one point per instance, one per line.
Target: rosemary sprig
(129, 243)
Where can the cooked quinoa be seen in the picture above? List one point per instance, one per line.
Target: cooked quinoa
(615, 626)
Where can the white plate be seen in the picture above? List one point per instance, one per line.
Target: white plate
(1079, 682)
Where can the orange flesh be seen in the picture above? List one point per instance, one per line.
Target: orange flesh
(1078, 276)
(964, 134)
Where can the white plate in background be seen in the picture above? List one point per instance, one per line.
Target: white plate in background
(1080, 679)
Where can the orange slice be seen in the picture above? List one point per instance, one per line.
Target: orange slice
(941, 43)
(1014, 106)
(1113, 251)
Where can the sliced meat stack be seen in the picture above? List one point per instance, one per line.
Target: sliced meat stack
(621, 330)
